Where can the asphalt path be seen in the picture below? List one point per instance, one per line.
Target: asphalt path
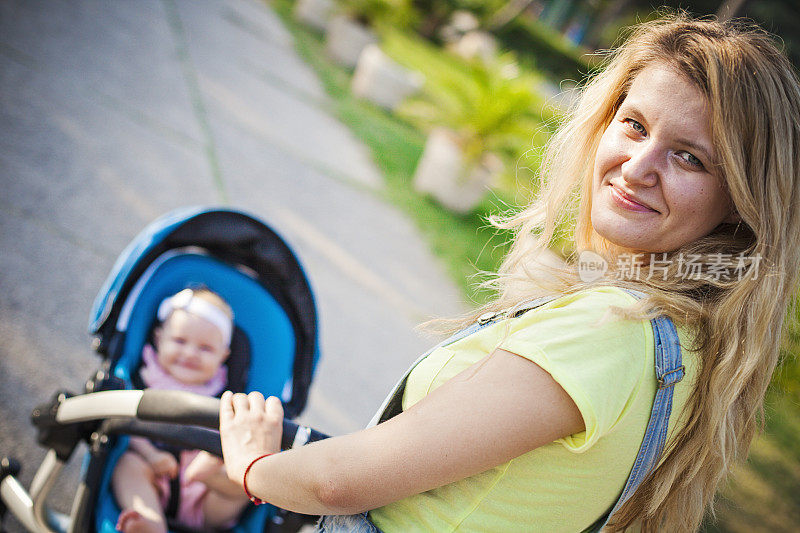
(113, 113)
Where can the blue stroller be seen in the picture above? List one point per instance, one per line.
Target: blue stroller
(274, 350)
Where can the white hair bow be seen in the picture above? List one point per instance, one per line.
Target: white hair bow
(186, 301)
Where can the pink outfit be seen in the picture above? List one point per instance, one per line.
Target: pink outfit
(190, 504)
(192, 494)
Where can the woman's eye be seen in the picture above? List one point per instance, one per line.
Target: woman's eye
(637, 126)
(692, 160)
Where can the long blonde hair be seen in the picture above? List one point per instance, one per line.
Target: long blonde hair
(754, 99)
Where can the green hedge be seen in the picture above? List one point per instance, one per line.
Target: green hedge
(544, 48)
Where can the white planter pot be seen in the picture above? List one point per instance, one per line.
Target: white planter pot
(460, 23)
(346, 39)
(314, 13)
(480, 44)
(443, 174)
(382, 81)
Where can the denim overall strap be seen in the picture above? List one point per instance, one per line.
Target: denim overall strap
(669, 371)
(392, 405)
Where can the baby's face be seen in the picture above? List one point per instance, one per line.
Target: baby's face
(190, 348)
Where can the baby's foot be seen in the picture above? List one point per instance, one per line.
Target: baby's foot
(131, 521)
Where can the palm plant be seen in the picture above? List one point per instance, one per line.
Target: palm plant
(489, 111)
(393, 13)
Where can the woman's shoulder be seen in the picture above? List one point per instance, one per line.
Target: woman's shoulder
(588, 307)
(584, 317)
(596, 296)
(599, 360)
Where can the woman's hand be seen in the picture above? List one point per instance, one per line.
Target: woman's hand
(249, 427)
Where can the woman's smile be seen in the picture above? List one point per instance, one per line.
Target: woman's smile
(626, 201)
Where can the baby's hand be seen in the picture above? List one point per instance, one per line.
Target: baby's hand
(210, 470)
(163, 463)
(203, 466)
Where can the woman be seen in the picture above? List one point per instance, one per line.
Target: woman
(682, 153)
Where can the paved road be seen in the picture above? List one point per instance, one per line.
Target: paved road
(112, 113)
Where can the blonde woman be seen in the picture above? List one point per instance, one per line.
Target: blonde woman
(679, 172)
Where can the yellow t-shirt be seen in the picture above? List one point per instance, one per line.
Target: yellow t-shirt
(607, 370)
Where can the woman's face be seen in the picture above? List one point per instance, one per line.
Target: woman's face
(655, 187)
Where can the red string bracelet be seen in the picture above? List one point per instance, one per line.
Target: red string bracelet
(255, 500)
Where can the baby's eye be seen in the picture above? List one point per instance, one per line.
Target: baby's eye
(178, 340)
(692, 160)
(636, 126)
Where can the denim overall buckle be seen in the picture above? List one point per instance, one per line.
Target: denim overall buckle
(671, 378)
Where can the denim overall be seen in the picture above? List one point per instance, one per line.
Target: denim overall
(669, 371)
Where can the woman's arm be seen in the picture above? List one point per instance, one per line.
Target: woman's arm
(495, 410)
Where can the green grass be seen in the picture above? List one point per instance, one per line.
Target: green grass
(763, 494)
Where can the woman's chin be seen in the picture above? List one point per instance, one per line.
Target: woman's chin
(619, 239)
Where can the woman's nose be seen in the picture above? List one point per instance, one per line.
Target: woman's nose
(643, 165)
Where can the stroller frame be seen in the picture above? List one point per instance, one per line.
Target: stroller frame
(66, 421)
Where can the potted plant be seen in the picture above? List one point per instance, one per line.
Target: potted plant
(381, 80)
(314, 13)
(477, 118)
(456, 181)
(476, 44)
(352, 28)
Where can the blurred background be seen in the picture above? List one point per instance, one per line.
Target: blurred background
(376, 136)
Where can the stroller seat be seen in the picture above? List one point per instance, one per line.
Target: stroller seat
(258, 318)
(264, 322)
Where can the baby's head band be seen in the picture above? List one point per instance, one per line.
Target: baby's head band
(186, 301)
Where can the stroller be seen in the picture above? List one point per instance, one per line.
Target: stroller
(274, 350)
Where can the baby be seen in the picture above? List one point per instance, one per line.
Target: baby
(191, 345)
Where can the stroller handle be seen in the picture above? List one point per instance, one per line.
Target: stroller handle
(182, 419)
(170, 406)
(194, 409)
